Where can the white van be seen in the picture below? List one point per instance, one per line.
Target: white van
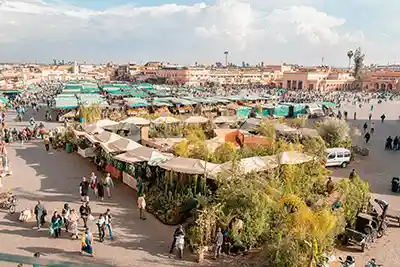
(337, 157)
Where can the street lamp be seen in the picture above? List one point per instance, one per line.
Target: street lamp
(226, 58)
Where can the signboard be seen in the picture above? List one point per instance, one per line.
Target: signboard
(129, 180)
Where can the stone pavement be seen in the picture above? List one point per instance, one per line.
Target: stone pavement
(54, 179)
(378, 169)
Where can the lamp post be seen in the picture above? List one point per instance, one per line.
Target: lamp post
(226, 58)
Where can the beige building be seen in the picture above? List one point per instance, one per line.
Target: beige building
(239, 76)
(316, 80)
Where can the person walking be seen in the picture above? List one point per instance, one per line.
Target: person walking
(85, 212)
(93, 183)
(36, 255)
(355, 115)
(108, 217)
(352, 174)
(56, 223)
(73, 224)
(101, 224)
(395, 142)
(367, 136)
(46, 142)
(383, 117)
(372, 128)
(219, 240)
(40, 212)
(87, 243)
(142, 206)
(365, 127)
(100, 190)
(139, 185)
(84, 190)
(108, 183)
(65, 214)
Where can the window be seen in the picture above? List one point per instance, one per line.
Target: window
(331, 156)
(340, 154)
(347, 154)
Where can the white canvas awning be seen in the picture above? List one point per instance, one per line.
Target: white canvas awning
(143, 153)
(120, 145)
(259, 164)
(196, 120)
(225, 119)
(93, 129)
(104, 137)
(161, 120)
(187, 165)
(105, 122)
(136, 121)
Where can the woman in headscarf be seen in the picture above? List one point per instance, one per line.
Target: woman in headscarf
(56, 224)
(93, 182)
(73, 224)
(87, 243)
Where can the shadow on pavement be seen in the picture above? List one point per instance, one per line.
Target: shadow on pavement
(60, 175)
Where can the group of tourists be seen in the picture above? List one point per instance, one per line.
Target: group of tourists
(392, 143)
(69, 218)
(96, 186)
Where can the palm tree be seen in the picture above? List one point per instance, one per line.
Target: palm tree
(350, 54)
(226, 58)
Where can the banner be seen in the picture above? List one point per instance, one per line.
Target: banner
(129, 180)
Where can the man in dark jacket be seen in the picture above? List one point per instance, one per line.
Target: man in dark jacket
(85, 211)
(84, 189)
(40, 212)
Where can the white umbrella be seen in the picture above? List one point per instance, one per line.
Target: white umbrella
(136, 121)
(161, 120)
(196, 120)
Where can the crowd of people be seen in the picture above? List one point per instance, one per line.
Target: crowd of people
(68, 221)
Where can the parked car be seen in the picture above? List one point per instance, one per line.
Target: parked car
(337, 157)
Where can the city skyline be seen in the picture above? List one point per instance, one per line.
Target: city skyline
(301, 32)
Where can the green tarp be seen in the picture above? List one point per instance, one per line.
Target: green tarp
(281, 111)
(3, 100)
(243, 112)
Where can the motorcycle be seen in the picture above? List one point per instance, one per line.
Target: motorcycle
(9, 202)
(349, 262)
(180, 243)
(372, 263)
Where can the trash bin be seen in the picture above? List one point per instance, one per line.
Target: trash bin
(68, 147)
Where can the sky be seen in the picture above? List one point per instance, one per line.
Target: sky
(188, 31)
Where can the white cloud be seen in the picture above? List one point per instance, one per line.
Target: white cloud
(252, 30)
